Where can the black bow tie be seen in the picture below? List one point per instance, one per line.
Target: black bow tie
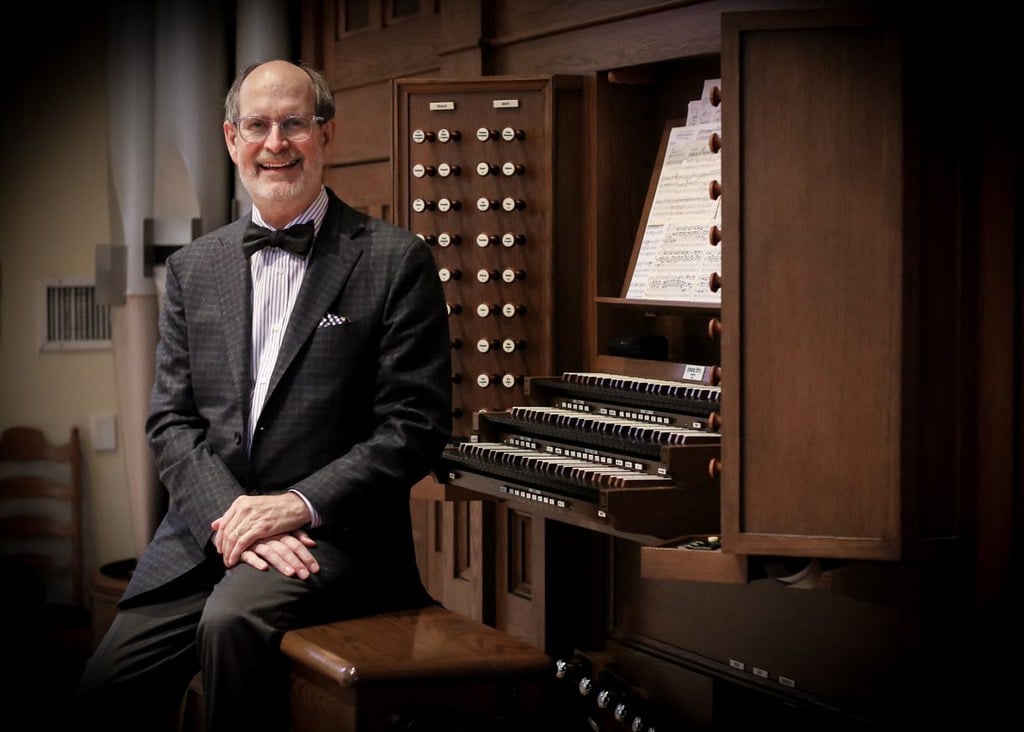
(295, 239)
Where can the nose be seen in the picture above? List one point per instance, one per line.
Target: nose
(275, 139)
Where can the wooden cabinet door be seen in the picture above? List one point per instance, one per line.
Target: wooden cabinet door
(842, 297)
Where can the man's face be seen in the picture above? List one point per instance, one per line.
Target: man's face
(281, 176)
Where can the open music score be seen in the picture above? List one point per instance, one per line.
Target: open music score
(677, 253)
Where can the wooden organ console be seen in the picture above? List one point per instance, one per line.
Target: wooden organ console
(625, 455)
(846, 271)
(486, 173)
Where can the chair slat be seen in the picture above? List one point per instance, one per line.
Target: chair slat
(33, 487)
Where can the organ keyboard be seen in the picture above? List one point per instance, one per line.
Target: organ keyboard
(624, 455)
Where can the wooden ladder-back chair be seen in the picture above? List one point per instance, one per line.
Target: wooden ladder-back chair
(41, 550)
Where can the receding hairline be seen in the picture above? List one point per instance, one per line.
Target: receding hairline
(323, 98)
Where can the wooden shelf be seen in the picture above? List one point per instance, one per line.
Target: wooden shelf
(429, 489)
(656, 306)
(671, 370)
(642, 516)
(695, 565)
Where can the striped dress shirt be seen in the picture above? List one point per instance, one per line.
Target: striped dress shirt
(276, 278)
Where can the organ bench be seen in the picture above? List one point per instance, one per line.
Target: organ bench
(429, 669)
(426, 670)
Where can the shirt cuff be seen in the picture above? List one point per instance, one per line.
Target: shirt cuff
(315, 521)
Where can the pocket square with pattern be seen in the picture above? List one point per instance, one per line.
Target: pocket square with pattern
(331, 319)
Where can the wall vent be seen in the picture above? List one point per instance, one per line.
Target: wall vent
(70, 318)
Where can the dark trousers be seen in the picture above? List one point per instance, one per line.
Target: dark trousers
(229, 624)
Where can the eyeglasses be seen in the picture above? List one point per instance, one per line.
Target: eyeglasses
(294, 127)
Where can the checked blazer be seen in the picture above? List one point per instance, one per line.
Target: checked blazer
(358, 407)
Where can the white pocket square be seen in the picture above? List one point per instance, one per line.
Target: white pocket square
(332, 319)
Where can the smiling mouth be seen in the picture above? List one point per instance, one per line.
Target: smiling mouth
(272, 166)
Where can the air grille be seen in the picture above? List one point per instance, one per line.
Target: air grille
(71, 319)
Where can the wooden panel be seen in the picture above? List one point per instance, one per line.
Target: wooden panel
(816, 272)
(403, 49)
(366, 187)
(574, 39)
(640, 40)
(565, 607)
(821, 277)
(363, 123)
(520, 552)
(464, 563)
(627, 144)
(464, 64)
(827, 408)
(467, 544)
(525, 18)
(463, 24)
(436, 545)
(426, 511)
(454, 549)
(355, 16)
(420, 512)
(313, 31)
(675, 562)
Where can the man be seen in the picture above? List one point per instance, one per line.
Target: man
(297, 398)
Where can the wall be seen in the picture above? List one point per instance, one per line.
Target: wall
(58, 203)
(53, 212)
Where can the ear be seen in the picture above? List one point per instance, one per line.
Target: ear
(231, 140)
(327, 130)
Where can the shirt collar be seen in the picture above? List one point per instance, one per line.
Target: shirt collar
(315, 213)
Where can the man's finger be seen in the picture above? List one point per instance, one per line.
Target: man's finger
(254, 560)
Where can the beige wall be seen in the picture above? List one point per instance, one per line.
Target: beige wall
(54, 206)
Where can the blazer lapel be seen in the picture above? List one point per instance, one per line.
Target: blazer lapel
(334, 255)
(236, 305)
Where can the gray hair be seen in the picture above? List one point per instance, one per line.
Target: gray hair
(324, 106)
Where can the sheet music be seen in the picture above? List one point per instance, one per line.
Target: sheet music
(709, 85)
(676, 258)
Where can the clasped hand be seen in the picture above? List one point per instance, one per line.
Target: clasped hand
(264, 532)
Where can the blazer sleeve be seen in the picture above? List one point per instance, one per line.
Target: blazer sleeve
(200, 485)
